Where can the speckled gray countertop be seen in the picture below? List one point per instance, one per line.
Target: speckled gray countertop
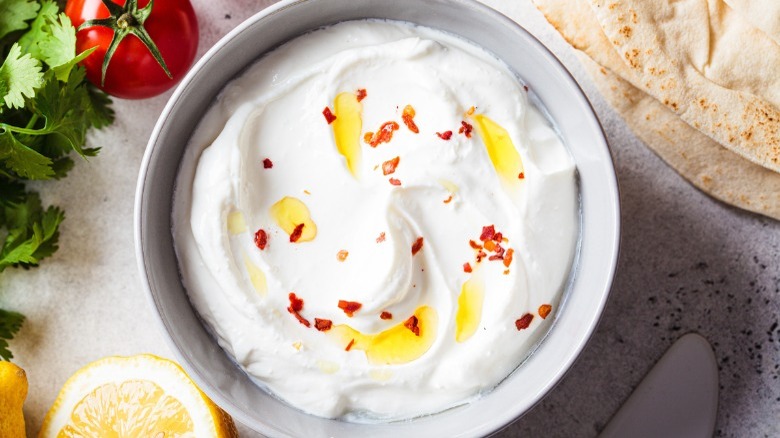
(687, 263)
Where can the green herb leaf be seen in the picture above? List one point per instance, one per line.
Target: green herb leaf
(20, 75)
(29, 41)
(99, 111)
(11, 192)
(15, 13)
(23, 160)
(10, 324)
(32, 232)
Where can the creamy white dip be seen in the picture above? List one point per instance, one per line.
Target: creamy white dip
(267, 159)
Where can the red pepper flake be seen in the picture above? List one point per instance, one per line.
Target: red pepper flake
(490, 245)
(499, 251)
(487, 233)
(383, 135)
(467, 267)
(329, 117)
(267, 163)
(342, 255)
(496, 257)
(408, 117)
(508, 257)
(381, 237)
(411, 324)
(521, 175)
(474, 244)
(296, 234)
(544, 310)
(506, 271)
(349, 346)
(447, 201)
(470, 111)
(389, 166)
(323, 325)
(446, 135)
(361, 94)
(498, 237)
(465, 129)
(417, 245)
(480, 256)
(386, 315)
(349, 307)
(395, 181)
(296, 305)
(524, 321)
(261, 239)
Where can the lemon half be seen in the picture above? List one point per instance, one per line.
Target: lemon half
(137, 396)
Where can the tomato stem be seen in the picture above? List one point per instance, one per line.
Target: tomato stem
(124, 21)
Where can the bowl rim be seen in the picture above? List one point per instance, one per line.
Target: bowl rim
(501, 419)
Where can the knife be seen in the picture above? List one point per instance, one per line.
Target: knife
(677, 398)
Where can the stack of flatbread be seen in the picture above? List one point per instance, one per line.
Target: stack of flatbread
(697, 80)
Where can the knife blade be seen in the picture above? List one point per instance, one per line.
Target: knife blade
(677, 398)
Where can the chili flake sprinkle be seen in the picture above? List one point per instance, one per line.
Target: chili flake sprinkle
(467, 267)
(381, 237)
(480, 256)
(408, 117)
(383, 135)
(508, 257)
(412, 324)
(296, 234)
(342, 255)
(267, 163)
(524, 321)
(261, 239)
(470, 111)
(465, 129)
(417, 245)
(329, 117)
(446, 135)
(521, 175)
(487, 233)
(395, 181)
(389, 166)
(475, 245)
(361, 94)
(349, 307)
(386, 315)
(448, 200)
(296, 305)
(349, 346)
(544, 310)
(323, 325)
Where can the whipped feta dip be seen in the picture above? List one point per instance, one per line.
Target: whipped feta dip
(375, 222)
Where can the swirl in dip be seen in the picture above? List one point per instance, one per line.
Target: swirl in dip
(380, 221)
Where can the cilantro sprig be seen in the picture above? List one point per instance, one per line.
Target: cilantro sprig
(46, 109)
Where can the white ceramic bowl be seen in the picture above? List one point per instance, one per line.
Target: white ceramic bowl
(557, 92)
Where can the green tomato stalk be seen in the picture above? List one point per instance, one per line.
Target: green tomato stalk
(126, 20)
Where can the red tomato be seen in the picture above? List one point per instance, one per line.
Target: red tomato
(133, 73)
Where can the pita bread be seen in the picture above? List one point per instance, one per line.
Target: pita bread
(764, 15)
(699, 159)
(692, 57)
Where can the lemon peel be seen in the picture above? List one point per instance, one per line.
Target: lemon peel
(13, 391)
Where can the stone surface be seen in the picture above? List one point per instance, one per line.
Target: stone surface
(688, 263)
